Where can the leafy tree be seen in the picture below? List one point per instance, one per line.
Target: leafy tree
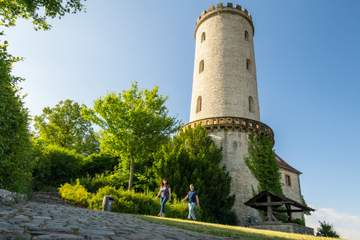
(262, 163)
(134, 124)
(326, 230)
(63, 125)
(192, 157)
(36, 10)
(15, 145)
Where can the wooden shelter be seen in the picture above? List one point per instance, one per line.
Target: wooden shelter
(270, 203)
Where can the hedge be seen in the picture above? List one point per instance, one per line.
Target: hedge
(124, 201)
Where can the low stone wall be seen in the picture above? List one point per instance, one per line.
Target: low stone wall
(287, 227)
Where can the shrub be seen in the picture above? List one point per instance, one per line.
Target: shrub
(75, 194)
(102, 180)
(124, 201)
(98, 163)
(326, 230)
(55, 165)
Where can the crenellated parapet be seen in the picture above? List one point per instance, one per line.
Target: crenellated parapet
(233, 123)
(221, 8)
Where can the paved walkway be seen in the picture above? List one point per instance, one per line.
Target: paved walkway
(35, 220)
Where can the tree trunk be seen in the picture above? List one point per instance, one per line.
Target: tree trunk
(131, 174)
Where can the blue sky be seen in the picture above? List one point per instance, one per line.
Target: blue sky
(308, 62)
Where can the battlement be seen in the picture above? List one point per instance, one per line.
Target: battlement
(221, 8)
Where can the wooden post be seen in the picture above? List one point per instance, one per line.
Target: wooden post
(269, 209)
(288, 210)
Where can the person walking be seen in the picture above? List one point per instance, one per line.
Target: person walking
(193, 200)
(165, 195)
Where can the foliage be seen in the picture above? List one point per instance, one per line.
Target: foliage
(134, 124)
(262, 163)
(192, 157)
(326, 230)
(75, 194)
(15, 144)
(93, 183)
(55, 165)
(63, 125)
(98, 163)
(124, 201)
(36, 10)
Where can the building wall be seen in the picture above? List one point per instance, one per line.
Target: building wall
(244, 184)
(225, 84)
(294, 191)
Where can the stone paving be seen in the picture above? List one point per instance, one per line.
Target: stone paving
(35, 220)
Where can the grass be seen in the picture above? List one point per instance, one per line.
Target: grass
(235, 232)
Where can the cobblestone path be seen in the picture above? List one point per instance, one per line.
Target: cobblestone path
(35, 220)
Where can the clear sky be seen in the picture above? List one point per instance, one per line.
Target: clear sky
(308, 62)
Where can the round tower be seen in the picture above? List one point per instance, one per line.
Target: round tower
(224, 94)
(224, 80)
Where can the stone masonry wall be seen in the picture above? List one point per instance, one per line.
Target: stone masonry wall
(225, 84)
(243, 184)
(293, 192)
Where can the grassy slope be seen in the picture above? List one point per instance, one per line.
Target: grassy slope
(236, 232)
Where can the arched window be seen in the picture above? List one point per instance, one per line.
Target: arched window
(203, 37)
(246, 35)
(198, 104)
(248, 64)
(251, 104)
(201, 66)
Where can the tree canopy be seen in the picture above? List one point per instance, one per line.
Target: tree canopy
(36, 10)
(133, 125)
(63, 125)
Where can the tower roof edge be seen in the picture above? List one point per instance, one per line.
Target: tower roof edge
(221, 8)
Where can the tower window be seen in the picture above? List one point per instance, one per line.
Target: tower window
(246, 35)
(201, 66)
(248, 64)
(198, 104)
(251, 104)
(287, 180)
(203, 37)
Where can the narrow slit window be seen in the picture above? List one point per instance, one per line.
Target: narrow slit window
(198, 104)
(248, 64)
(203, 37)
(246, 35)
(288, 180)
(251, 104)
(201, 66)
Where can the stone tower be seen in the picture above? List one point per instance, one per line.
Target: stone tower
(224, 93)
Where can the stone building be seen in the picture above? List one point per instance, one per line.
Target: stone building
(225, 98)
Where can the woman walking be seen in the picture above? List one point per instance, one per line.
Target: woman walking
(193, 200)
(165, 195)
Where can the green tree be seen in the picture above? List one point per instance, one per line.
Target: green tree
(63, 125)
(134, 124)
(262, 163)
(38, 11)
(15, 144)
(192, 157)
(326, 230)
